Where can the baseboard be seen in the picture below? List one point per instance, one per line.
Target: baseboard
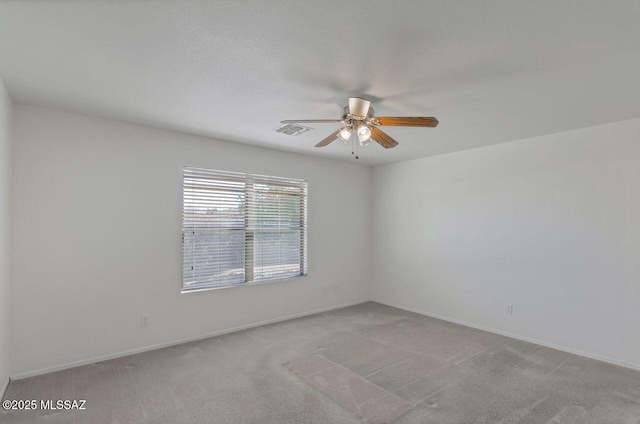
(93, 360)
(516, 336)
(3, 389)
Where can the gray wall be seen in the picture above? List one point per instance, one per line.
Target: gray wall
(550, 225)
(5, 231)
(97, 213)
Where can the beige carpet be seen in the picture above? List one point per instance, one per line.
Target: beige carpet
(363, 364)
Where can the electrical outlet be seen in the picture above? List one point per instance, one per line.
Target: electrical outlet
(508, 309)
(144, 320)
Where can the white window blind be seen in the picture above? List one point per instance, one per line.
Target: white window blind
(241, 228)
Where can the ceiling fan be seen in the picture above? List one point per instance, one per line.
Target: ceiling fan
(359, 117)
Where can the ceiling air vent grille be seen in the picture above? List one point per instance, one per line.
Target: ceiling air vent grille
(291, 129)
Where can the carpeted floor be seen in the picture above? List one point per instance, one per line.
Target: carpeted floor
(366, 363)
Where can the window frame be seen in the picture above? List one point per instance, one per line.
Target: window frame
(249, 265)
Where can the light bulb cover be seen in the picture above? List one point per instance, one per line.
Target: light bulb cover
(345, 134)
(364, 135)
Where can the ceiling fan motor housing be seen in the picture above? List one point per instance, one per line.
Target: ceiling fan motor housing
(358, 106)
(346, 115)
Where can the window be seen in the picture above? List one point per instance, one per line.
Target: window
(241, 228)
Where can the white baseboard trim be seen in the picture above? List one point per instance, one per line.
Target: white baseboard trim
(516, 336)
(101, 358)
(3, 389)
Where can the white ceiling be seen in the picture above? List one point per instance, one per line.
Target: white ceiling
(491, 71)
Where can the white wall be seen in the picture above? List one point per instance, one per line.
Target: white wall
(550, 225)
(97, 214)
(6, 107)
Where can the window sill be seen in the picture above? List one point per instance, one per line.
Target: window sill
(255, 283)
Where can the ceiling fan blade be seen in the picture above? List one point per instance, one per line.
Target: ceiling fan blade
(329, 140)
(383, 138)
(408, 121)
(358, 106)
(312, 121)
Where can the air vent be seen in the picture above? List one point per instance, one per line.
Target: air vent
(291, 129)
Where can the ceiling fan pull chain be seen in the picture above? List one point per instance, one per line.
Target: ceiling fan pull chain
(356, 144)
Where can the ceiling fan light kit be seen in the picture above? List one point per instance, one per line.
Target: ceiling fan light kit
(345, 134)
(360, 117)
(364, 135)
